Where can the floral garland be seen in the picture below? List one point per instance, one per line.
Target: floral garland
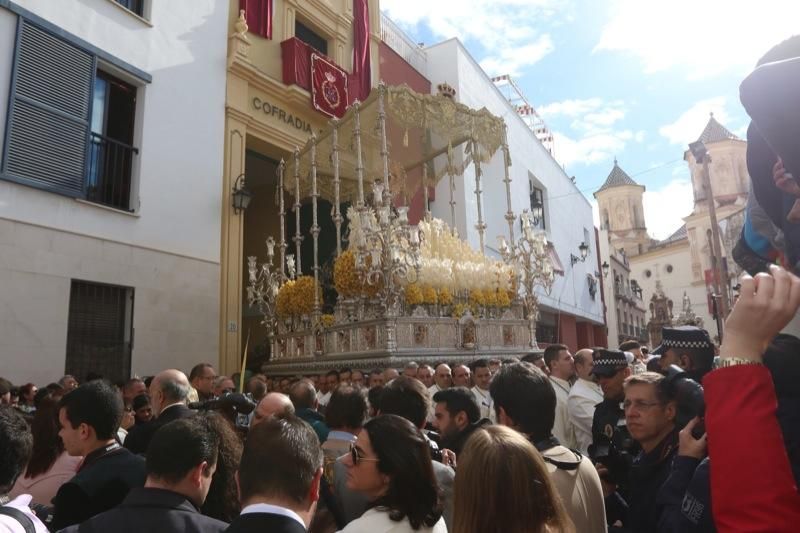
(296, 297)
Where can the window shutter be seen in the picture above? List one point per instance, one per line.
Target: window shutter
(99, 330)
(49, 116)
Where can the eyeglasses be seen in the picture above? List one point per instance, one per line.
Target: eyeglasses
(639, 405)
(357, 458)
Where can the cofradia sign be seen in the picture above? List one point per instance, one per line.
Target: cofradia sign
(280, 114)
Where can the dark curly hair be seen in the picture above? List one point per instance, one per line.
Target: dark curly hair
(404, 456)
(222, 501)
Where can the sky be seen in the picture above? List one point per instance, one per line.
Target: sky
(633, 80)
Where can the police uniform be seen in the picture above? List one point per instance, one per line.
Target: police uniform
(693, 338)
(648, 474)
(612, 444)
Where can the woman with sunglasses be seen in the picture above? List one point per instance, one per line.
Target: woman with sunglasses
(390, 463)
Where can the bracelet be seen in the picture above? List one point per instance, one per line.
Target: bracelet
(725, 362)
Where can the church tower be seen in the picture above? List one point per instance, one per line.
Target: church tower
(730, 183)
(728, 169)
(622, 212)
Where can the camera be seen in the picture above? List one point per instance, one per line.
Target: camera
(616, 459)
(689, 399)
(234, 405)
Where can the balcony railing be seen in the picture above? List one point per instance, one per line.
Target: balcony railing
(109, 172)
(398, 41)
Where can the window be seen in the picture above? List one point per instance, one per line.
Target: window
(136, 6)
(537, 199)
(70, 125)
(111, 148)
(99, 330)
(311, 38)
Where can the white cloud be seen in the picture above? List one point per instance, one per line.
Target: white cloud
(593, 137)
(703, 38)
(591, 148)
(665, 208)
(512, 60)
(688, 127)
(505, 30)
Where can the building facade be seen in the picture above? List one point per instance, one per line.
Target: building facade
(268, 115)
(680, 267)
(111, 134)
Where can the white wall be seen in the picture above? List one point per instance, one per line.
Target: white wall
(568, 211)
(169, 250)
(674, 283)
(180, 137)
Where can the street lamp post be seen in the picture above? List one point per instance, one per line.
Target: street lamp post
(701, 155)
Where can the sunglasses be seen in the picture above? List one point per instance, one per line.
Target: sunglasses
(356, 457)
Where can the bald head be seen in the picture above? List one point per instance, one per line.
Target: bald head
(583, 363)
(168, 387)
(389, 374)
(443, 376)
(273, 404)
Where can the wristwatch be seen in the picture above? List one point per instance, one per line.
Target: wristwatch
(725, 362)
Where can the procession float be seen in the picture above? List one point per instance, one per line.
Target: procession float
(401, 285)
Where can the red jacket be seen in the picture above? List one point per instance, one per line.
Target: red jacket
(752, 487)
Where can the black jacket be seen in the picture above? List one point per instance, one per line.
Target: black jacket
(264, 523)
(104, 479)
(685, 498)
(146, 509)
(138, 438)
(648, 473)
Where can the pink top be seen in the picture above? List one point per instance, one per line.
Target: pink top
(43, 487)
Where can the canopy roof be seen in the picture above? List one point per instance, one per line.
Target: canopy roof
(420, 129)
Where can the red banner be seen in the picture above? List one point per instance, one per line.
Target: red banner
(258, 14)
(362, 71)
(328, 87)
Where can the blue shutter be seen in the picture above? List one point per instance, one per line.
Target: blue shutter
(49, 113)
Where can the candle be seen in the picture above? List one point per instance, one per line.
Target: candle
(270, 247)
(402, 215)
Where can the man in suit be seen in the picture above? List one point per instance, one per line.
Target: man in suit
(279, 477)
(168, 393)
(181, 461)
(89, 417)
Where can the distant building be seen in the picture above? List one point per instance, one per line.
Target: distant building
(681, 263)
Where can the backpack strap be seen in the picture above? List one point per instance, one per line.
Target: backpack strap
(23, 519)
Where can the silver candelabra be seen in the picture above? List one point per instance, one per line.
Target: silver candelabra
(385, 248)
(265, 282)
(531, 262)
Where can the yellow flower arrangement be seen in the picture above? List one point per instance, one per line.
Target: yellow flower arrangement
(347, 280)
(490, 298)
(445, 296)
(459, 310)
(345, 277)
(302, 297)
(429, 295)
(503, 299)
(282, 300)
(328, 320)
(477, 298)
(296, 297)
(413, 294)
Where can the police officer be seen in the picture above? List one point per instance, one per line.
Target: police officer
(612, 447)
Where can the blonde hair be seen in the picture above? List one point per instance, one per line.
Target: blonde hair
(502, 485)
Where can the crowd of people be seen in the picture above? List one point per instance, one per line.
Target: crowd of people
(602, 439)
